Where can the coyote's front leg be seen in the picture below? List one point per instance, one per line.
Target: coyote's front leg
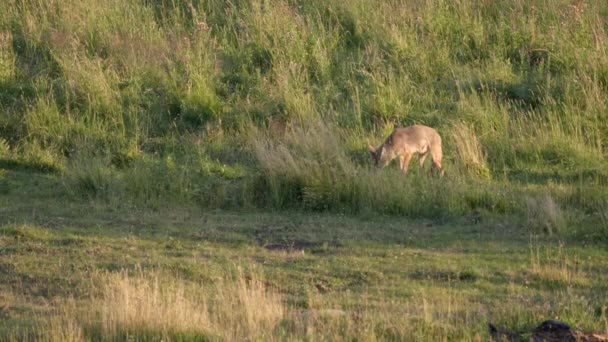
(405, 162)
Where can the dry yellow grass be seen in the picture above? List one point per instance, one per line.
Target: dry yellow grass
(544, 215)
(469, 151)
(553, 264)
(137, 302)
(237, 309)
(158, 307)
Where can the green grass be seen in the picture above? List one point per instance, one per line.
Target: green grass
(403, 278)
(196, 137)
(177, 101)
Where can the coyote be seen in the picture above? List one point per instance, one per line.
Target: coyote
(404, 142)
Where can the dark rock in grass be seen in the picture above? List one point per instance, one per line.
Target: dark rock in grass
(547, 331)
(552, 330)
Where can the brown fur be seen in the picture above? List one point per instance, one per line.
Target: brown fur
(405, 142)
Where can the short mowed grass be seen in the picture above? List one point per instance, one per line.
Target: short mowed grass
(169, 167)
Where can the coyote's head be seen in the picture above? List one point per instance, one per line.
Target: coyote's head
(379, 156)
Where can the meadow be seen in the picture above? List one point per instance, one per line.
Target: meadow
(198, 170)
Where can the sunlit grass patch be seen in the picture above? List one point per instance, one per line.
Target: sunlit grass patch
(156, 306)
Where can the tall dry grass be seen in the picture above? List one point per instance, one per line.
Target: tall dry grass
(544, 215)
(553, 265)
(469, 152)
(163, 308)
(307, 165)
(156, 307)
(238, 309)
(134, 303)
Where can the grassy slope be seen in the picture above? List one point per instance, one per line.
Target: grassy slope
(203, 97)
(408, 278)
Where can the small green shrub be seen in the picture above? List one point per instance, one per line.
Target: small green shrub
(91, 178)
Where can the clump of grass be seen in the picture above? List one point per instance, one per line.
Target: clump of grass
(163, 307)
(553, 264)
(469, 152)
(544, 215)
(155, 181)
(134, 304)
(308, 166)
(60, 327)
(246, 306)
(5, 149)
(33, 155)
(91, 177)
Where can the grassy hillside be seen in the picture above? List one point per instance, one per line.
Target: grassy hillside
(237, 104)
